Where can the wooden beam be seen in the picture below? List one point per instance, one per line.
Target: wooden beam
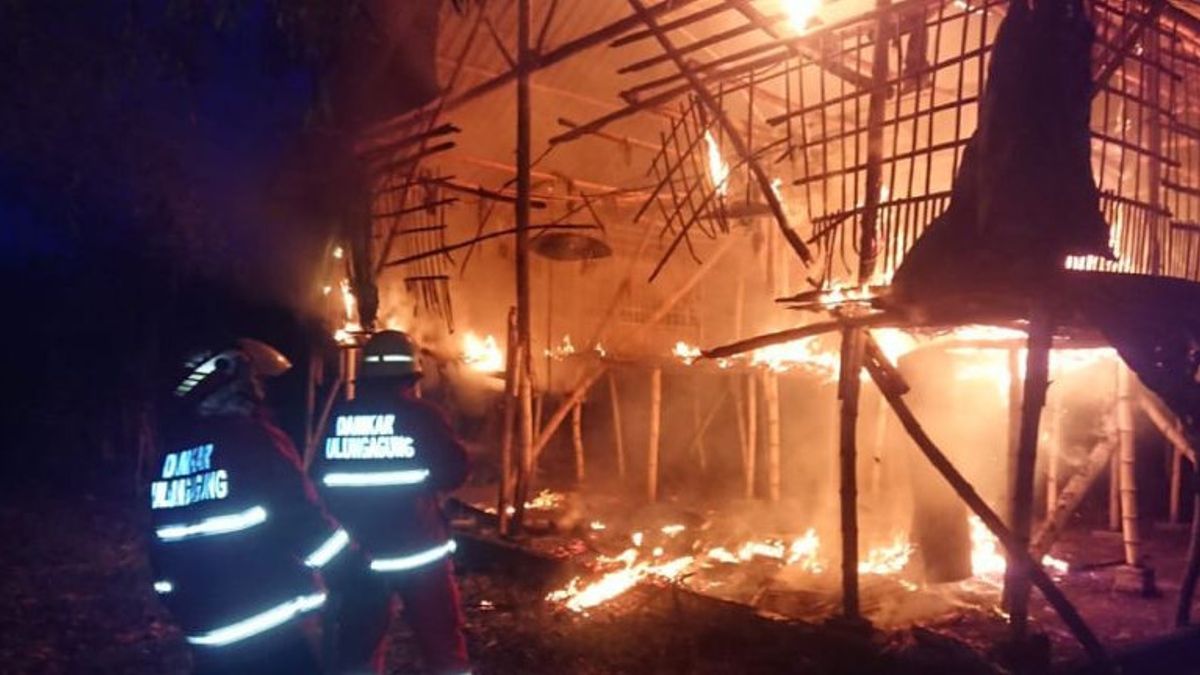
(512, 399)
(1033, 399)
(849, 386)
(790, 334)
(731, 132)
(1070, 498)
(655, 438)
(577, 443)
(750, 460)
(618, 430)
(770, 383)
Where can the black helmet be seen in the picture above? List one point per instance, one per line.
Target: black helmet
(389, 354)
(206, 371)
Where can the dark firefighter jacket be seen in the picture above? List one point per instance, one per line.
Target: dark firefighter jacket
(379, 470)
(239, 534)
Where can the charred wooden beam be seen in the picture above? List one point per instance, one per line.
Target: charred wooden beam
(735, 139)
(414, 139)
(423, 206)
(778, 337)
(849, 389)
(681, 22)
(442, 250)
(1070, 498)
(1134, 33)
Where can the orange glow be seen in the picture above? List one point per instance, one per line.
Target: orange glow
(482, 354)
(800, 13)
(718, 170)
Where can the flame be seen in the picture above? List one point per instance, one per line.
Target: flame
(597, 526)
(562, 350)
(579, 598)
(482, 354)
(685, 352)
(636, 566)
(987, 557)
(800, 13)
(718, 170)
(807, 353)
(1092, 262)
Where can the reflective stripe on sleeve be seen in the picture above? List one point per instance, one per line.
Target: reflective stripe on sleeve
(326, 552)
(162, 587)
(259, 623)
(415, 560)
(233, 522)
(375, 478)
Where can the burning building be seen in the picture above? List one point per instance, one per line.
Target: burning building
(852, 298)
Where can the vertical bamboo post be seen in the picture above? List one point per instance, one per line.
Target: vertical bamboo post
(1053, 448)
(879, 445)
(524, 136)
(655, 431)
(1037, 367)
(701, 425)
(618, 431)
(1127, 478)
(577, 441)
(512, 399)
(849, 390)
(1176, 482)
(1014, 429)
(770, 381)
(749, 463)
(1191, 572)
(1114, 492)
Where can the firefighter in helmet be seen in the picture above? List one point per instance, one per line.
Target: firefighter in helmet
(385, 458)
(240, 539)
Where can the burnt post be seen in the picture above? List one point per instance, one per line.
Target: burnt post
(524, 67)
(1037, 374)
(849, 388)
(655, 434)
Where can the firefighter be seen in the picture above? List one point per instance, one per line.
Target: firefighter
(386, 457)
(240, 539)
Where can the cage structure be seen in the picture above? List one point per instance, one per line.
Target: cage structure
(778, 149)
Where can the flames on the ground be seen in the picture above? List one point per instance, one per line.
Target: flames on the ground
(640, 562)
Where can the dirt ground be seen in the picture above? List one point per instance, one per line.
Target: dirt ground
(75, 597)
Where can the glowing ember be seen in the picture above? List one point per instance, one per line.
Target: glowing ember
(338, 252)
(545, 501)
(685, 352)
(482, 354)
(562, 350)
(800, 13)
(579, 597)
(672, 530)
(718, 170)
(636, 538)
(597, 526)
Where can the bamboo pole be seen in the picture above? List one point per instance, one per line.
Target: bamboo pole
(1070, 498)
(523, 306)
(577, 442)
(1127, 477)
(700, 424)
(697, 442)
(1037, 373)
(1191, 572)
(1053, 447)
(655, 433)
(790, 334)
(880, 446)
(849, 387)
(750, 460)
(525, 467)
(885, 377)
(618, 431)
(1169, 427)
(770, 381)
(512, 399)
(1176, 495)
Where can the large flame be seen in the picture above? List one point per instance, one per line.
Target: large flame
(718, 170)
(482, 353)
(987, 556)
(800, 13)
